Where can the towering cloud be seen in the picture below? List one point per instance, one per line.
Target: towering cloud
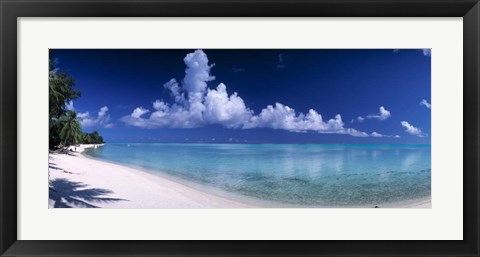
(197, 73)
(196, 105)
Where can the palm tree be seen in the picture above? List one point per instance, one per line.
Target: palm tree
(71, 132)
(86, 138)
(97, 139)
(60, 91)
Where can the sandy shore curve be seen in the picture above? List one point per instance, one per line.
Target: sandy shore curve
(76, 181)
(80, 182)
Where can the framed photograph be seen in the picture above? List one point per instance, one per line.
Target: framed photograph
(228, 128)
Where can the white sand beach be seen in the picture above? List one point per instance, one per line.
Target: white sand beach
(77, 181)
(80, 182)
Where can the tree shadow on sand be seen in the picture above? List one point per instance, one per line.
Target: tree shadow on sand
(69, 194)
(53, 166)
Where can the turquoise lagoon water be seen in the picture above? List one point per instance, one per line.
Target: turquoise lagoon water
(303, 175)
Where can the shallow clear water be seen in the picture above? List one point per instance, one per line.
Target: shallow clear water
(289, 174)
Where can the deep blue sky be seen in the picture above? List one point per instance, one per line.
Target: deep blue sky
(351, 83)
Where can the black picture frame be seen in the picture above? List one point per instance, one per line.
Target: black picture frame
(10, 10)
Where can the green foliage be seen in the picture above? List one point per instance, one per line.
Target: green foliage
(54, 133)
(60, 91)
(64, 125)
(70, 132)
(92, 138)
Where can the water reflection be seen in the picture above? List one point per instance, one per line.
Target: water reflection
(324, 175)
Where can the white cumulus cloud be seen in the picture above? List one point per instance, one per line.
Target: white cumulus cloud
(139, 111)
(69, 106)
(375, 134)
(411, 129)
(359, 119)
(197, 73)
(175, 90)
(195, 105)
(229, 111)
(382, 115)
(102, 119)
(283, 117)
(426, 104)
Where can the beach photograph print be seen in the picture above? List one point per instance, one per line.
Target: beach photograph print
(239, 128)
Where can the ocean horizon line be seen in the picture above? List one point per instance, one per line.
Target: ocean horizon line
(254, 143)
